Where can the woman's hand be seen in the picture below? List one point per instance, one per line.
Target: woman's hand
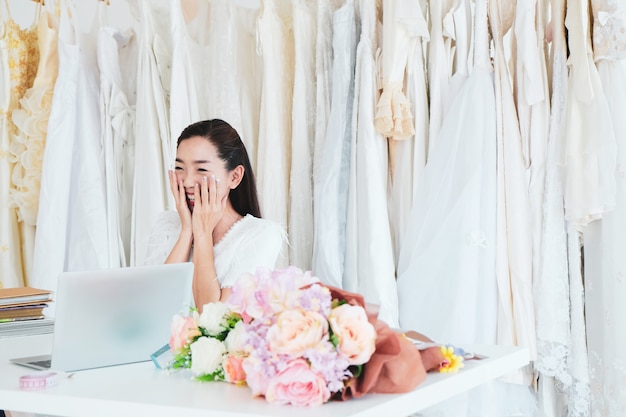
(210, 202)
(180, 197)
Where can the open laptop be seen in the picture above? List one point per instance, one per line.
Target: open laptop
(114, 316)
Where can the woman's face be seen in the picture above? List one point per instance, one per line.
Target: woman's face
(196, 158)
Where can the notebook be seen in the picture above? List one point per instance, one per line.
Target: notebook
(114, 316)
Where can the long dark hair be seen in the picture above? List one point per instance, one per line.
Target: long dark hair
(232, 151)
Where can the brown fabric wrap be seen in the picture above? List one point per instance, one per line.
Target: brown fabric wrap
(396, 366)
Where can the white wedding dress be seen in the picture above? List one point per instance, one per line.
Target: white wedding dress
(333, 176)
(605, 240)
(72, 219)
(117, 61)
(251, 242)
(302, 135)
(369, 262)
(274, 145)
(153, 145)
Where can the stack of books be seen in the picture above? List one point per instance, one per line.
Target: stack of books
(21, 311)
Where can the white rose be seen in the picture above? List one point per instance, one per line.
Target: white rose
(237, 338)
(212, 317)
(206, 355)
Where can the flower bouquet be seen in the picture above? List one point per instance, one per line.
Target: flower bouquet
(293, 340)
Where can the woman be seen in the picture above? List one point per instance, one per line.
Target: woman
(217, 224)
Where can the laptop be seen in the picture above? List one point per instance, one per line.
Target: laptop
(114, 316)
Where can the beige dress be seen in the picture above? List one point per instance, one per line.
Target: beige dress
(19, 59)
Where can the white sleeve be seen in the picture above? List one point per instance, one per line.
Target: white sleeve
(162, 238)
(261, 247)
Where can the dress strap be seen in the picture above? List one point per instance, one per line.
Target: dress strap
(5, 11)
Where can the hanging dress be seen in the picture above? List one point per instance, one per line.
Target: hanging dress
(192, 65)
(154, 151)
(222, 72)
(117, 61)
(551, 285)
(31, 121)
(439, 63)
(605, 265)
(72, 221)
(446, 270)
(516, 319)
(533, 110)
(19, 60)
(275, 31)
(370, 266)
(248, 64)
(303, 136)
(332, 180)
(408, 20)
(588, 155)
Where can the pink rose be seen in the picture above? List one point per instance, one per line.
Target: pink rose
(256, 377)
(297, 384)
(295, 331)
(233, 370)
(183, 329)
(357, 336)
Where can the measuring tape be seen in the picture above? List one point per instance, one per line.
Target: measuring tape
(34, 382)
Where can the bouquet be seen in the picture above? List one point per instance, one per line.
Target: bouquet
(293, 340)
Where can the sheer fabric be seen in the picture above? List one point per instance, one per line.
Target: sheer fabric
(249, 243)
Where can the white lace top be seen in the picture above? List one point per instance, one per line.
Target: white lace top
(249, 243)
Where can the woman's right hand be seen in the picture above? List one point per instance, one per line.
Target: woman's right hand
(180, 197)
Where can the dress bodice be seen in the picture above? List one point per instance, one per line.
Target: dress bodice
(609, 29)
(21, 57)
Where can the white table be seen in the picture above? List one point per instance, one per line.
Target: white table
(140, 389)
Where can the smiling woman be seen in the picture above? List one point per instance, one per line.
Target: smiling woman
(217, 224)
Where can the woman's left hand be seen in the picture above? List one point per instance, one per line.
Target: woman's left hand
(210, 202)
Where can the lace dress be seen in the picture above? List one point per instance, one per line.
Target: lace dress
(19, 60)
(249, 243)
(605, 266)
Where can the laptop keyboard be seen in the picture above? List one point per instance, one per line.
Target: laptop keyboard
(44, 364)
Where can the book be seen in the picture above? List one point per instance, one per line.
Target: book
(23, 295)
(22, 311)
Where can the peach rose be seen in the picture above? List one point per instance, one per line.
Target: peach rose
(183, 329)
(297, 384)
(295, 331)
(233, 370)
(357, 336)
